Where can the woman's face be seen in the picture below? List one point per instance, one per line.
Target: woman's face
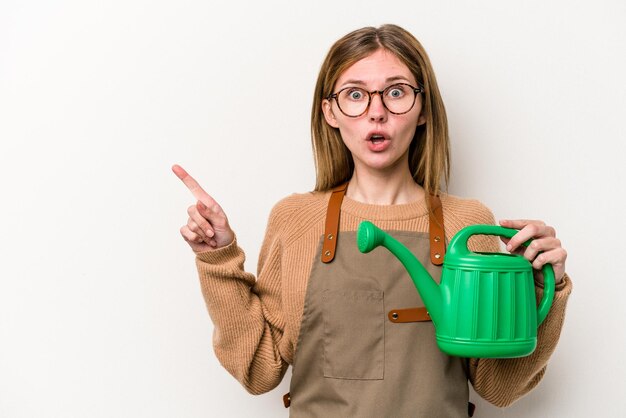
(378, 139)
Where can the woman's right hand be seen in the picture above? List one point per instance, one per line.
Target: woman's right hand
(207, 227)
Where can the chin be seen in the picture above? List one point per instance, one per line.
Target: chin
(379, 164)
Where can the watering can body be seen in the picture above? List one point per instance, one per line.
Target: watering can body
(485, 304)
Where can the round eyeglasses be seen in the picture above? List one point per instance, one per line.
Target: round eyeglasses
(397, 99)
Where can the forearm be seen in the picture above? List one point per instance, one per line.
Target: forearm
(245, 342)
(503, 381)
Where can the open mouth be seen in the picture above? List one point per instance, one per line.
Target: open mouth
(376, 139)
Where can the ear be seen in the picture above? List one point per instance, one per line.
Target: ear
(329, 115)
(421, 119)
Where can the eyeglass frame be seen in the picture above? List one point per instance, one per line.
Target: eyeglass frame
(417, 90)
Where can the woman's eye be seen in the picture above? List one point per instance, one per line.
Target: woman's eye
(395, 92)
(355, 94)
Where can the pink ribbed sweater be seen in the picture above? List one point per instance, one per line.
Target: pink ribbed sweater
(257, 320)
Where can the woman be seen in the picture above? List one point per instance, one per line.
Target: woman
(380, 142)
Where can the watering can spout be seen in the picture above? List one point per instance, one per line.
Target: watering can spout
(369, 236)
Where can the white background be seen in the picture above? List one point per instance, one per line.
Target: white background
(100, 309)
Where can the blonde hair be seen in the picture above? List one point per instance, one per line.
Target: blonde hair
(429, 152)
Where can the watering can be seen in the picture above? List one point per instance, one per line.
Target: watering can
(485, 304)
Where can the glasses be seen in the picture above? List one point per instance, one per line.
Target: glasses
(397, 99)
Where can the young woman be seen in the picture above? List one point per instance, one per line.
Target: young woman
(380, 141)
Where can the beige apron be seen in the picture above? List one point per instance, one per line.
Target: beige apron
(353, 358)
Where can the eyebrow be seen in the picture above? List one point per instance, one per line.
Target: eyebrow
(388, 80)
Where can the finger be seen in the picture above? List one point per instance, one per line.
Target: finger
(519, 223)
(556, 257)
(189, 235)
(214, 214)
(546, 230)
(193, 186)
(193, 226)
(527, 232)
(532, 229)
(201, 220)
(519, 251)
(541, 245)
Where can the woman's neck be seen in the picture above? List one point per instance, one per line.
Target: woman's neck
(375, 188)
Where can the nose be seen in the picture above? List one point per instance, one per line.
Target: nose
(377, 111)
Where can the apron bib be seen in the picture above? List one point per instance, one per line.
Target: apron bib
(359, 352)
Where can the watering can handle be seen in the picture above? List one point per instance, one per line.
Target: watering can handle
(458, 245)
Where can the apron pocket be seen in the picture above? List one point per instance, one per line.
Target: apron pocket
(354, 334)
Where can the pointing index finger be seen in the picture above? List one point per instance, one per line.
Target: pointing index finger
(192, 185)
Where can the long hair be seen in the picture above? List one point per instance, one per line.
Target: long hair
(429, 151)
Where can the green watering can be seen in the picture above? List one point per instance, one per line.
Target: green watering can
(485, 305)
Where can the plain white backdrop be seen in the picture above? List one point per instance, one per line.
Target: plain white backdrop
(100, 308)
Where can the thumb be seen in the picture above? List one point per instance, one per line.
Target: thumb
(214, 214)
(201, 207)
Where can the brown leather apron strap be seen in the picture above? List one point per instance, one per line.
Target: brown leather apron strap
(409, 315)
(332, 223)
(437, 235)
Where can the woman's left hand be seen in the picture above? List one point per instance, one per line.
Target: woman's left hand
(544, 249)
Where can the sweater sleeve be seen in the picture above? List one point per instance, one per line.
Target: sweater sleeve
(246, 313)
(503, 381)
